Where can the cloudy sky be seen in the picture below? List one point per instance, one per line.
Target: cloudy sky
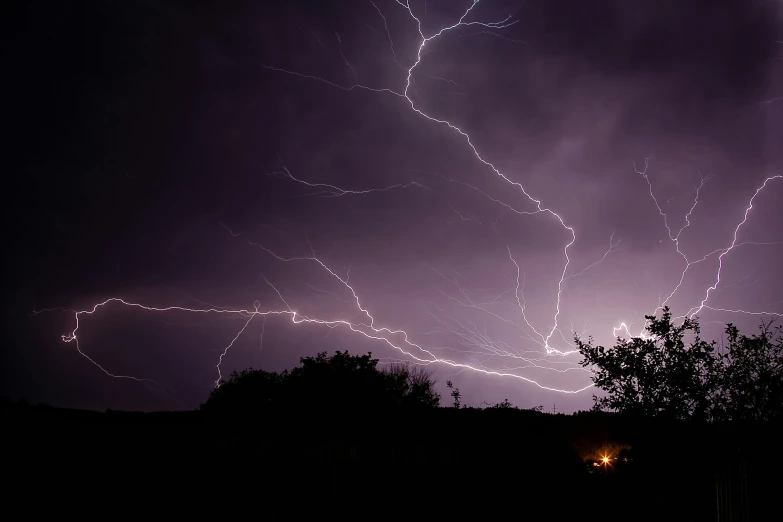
(181, 154)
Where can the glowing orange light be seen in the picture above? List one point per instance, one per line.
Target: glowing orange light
(605, 459)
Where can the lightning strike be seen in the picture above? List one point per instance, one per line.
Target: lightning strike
(612, 246)
(693, 311)
(334, 191)
(405, 94)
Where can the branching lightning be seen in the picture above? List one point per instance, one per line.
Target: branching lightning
(327, 190)
(693, 311)
(486, 354)
(675, 238)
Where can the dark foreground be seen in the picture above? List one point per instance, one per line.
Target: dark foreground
(487, 463)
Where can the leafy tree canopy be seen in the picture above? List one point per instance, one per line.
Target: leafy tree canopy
(326, 383)
(752, 379)
(672, 372)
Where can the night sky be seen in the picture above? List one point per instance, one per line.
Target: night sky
(166, 152)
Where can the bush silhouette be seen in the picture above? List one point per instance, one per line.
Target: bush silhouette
(341, 382)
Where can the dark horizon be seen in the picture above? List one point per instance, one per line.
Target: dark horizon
(162, 153)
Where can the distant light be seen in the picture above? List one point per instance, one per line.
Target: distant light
(605, 459)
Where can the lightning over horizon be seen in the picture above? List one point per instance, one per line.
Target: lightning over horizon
(451, 229)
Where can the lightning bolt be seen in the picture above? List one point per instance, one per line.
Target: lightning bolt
(612, 246)
(394, 338)
(695, 310)
(328, 190)
(675, 238)
(406, 95)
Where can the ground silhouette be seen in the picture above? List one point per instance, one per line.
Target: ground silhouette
(341, 432)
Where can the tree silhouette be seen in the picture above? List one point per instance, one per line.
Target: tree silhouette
(661, 375)
(341, 382)
(657, 375)
(413, 385)
(753, 375)
(455, 394)
(247, 392)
